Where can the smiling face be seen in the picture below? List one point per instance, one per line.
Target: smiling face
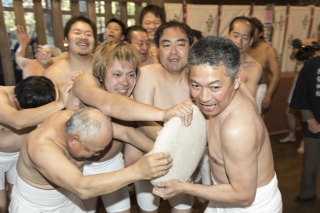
(151, 23)
(120, 79)
(173, 50)
(141, 43)
(80, 39)
(211, 88)
(113, 32)
(240, 35)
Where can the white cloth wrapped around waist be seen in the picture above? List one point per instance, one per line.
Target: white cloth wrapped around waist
(268, 200)
(29, 199)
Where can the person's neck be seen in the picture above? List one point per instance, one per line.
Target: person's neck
(80, 60)
(257, 43)
(176, 77)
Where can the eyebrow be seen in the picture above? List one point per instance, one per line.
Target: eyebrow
(212, 82)
(167, 40)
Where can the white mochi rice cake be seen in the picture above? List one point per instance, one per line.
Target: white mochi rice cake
(185, 145)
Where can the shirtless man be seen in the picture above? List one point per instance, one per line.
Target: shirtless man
(115, 30)
(163, 85)
(22, 108)
(241, 32)
(51, 159)
(115, 67)
(80, 35)
(151, 17)
(241, 163)
(137, 36)
(267, 57)
(29, 66)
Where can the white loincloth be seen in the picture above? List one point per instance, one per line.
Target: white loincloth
(261, 92)
(8, 161)
(203, 172)
(268, 200)
(28, 199)
(116, 201)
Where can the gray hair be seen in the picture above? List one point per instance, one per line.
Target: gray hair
(216, 51)
(84, 123)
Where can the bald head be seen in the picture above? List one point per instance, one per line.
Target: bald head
(90, 124)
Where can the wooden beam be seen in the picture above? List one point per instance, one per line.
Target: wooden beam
(108, 11)
(74, 6)
(91, 8)
(124, 13)
(19, 13)
(57, 23)
(157, 2)
(138, 10)
(6, 58)
(40, 22)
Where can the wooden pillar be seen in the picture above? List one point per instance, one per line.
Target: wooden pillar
(57, 23)
(138, 6)
(40, 23)
(74, 6)
(108, 11)
(5, 52)
(19, 13)
(157, 2)
(91, 8)
(124, 13)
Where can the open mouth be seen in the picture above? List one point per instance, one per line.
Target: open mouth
(122, 91)
(207, 107)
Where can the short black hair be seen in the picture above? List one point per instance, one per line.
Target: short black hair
(173, 24)
(120, 23)
(132, 29)
(257, 25)
(197, 34)
(34, 91)
(155, 10)
(84, 19)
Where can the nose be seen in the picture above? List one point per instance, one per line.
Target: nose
(173, 49)
(144, 46)
(124, 80)
(204, 95)
(239, 40)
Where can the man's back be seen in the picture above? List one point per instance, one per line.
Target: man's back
(44, 138)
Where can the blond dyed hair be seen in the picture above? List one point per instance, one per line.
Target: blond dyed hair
(108, 51)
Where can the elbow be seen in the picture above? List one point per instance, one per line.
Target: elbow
(246, 200)
(83, 194)
(18, 125)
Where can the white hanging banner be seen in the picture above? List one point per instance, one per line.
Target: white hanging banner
(258, 11)
(207, 22)
(298, 27)
(174, 12)
(229, 12)
(279, 28)
(315, 23)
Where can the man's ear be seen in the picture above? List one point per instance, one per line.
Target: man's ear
(251, 41)
(16, 103)
(122, 38)
(237, 80)
(73, 140)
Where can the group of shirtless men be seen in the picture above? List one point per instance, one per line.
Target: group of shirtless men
(58, 160)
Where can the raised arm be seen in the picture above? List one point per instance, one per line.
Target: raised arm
(23, 118)
(23, 40)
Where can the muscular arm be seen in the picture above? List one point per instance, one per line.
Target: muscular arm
(20, 119)
(87, 90)
(255, 72)
(240, 156)
(24, 41)
(275, 76)
(51, 163)
(133, 136)
(144, 93)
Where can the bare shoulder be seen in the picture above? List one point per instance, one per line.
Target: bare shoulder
(85, 79)
(151, 70)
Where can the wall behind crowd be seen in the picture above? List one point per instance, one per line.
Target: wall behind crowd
(282, 23)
